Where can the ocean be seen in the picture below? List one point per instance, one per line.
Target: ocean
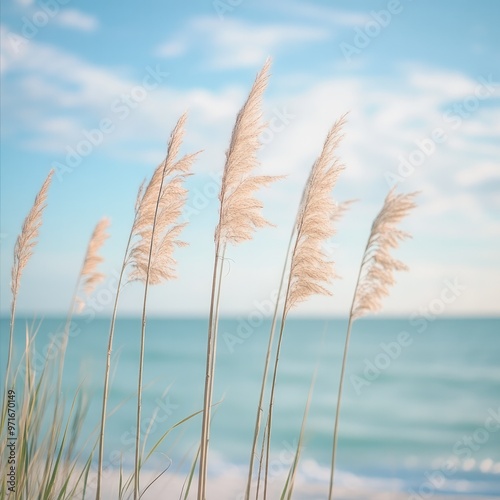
(421, 401)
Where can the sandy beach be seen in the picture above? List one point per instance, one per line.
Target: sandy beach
(230, 486)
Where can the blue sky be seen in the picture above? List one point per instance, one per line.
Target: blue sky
(420, 80)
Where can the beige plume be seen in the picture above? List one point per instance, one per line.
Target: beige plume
(159, 206)
(340, 210)
(89, 276)
(27, 240)
(376, 275)
(310, 268)
(239, 210)
(378, 266)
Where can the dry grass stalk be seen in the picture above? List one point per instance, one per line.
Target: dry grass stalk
(339, 211)
(105, 391)
(47, 468)
(258, 418)
(89, 276)
(292, 474)
(157, 228)
(376, 275)
(23, 250)
(310, 268)
(87, 281)
(239, 216)
(143, 215)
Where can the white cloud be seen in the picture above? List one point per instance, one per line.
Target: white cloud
(54, 94)
(236, 43)
(47, 85)
(73, 18)
(479, 174)
(347, 18)
(173, 48)
(483, 123)
(241, 44)
(444, 84)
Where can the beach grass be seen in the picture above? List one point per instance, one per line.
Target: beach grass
(57, 463)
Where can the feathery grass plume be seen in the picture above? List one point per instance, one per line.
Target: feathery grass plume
(340, 210)
(239, 211)
(158, 230)
(376, 275)
(310, 268)
(378, 266)
(89, 276)
(23, 250)
(27, 240)
(239, 217)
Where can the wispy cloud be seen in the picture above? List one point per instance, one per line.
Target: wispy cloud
(55, 95)
(479, 174)
(440, 82)
(172, 48)
(330, 15)
(76, 19)
(240, 43)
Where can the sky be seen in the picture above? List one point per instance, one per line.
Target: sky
(93, 89)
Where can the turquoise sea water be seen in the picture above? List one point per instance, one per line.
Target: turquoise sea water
(418, 396)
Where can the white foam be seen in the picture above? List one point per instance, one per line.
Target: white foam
(486, 465)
